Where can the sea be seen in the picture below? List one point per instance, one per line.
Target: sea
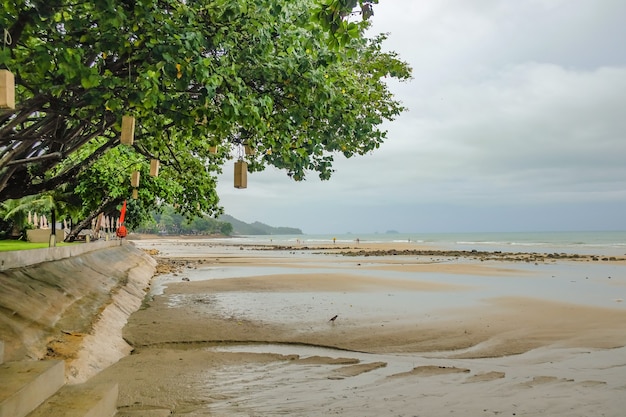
(585, 242)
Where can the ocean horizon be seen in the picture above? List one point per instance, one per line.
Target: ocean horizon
(584, 242)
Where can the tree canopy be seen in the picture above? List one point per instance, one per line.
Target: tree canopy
(298, 82)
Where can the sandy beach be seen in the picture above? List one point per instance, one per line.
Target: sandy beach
(235, 330)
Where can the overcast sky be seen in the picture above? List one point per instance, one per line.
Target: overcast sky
(516, 121)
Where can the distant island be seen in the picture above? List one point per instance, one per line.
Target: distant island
(257, 228)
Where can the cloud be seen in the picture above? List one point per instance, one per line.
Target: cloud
(515, 114)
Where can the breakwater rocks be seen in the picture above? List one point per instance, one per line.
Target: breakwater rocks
(449, 254)
(484, 255)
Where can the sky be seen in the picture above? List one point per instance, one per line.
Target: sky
(516, 121)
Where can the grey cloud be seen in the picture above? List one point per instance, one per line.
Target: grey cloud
(516, 109)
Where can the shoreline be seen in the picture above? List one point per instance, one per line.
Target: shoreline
(289, 274)
(237, 330)
(392, 248)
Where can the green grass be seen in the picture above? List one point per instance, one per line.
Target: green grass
(9, 245)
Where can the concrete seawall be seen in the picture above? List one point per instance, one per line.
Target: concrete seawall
(71, 303)
(17, 259)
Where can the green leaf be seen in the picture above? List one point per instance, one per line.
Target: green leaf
(297, 80)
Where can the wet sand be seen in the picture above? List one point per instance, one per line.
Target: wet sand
(246, 331)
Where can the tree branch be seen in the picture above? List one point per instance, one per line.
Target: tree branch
(54, 155)
(106, 205)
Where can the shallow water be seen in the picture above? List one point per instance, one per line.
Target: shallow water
(599, 285)
(521, 385)
(546, 381)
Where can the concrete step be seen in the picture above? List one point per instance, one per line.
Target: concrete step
(82, 400)
(25, 385)
(157, 412)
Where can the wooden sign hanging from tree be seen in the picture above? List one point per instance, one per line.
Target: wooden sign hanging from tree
(7, 90)
(241, 174)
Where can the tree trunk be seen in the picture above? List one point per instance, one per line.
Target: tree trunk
(86, 222)
(53, 228)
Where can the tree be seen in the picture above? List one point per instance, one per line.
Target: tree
(296, 81)
(52, 203)
(225, 228)
(14, 215)
(168, 221)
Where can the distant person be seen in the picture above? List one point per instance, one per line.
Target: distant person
(357, 240)
(334, 240)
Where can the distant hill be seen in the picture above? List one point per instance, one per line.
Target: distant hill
(257, 228)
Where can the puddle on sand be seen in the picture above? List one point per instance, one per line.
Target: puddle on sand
(586, 284)
(313, 310)
(294, 388)
(466, 386)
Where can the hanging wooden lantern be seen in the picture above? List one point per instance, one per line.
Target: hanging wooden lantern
(213, 149)
(7, 90)
(134, 179)
(249, 150)
(154, 167)
(135, 194)
(128, 130)
(241, 174)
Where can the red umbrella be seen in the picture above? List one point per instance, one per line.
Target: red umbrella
(121, 231)
(123, 212)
